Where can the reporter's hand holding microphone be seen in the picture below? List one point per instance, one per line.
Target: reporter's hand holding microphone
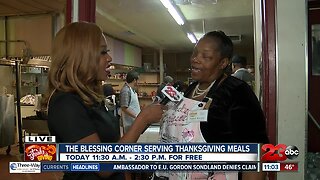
(152, 113)
(153, 109)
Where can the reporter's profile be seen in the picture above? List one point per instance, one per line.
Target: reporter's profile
(80, 61)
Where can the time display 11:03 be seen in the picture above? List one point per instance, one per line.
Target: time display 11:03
(270, 166)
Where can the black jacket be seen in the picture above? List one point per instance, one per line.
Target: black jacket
(235, 114)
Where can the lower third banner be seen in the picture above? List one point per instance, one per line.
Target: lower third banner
(150, 167)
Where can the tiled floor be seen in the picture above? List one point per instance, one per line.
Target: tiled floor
(151, 135)
(15, 156)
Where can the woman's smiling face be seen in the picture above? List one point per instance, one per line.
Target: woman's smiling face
(206, 61)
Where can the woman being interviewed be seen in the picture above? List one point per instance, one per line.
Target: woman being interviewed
(235, 115)
(80, 61)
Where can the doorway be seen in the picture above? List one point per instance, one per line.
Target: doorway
(313, 156)
(314, 77)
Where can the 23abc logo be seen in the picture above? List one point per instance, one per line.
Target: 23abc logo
(279, 152)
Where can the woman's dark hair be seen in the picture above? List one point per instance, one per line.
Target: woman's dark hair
(225, 45)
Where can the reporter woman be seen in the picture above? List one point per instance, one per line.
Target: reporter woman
(80, 61)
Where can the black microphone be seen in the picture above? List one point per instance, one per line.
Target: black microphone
(178, 86)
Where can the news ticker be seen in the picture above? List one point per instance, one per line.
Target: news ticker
(159, 147)
(158, 152)
(142, 152)
(38, 167)
(271, 153)
(44, 149)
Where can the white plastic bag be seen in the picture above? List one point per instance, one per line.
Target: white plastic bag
(7, 130)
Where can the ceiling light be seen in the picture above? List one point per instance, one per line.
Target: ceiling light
(192, 37)
(173, 11)
(198, 2)
(203, 2)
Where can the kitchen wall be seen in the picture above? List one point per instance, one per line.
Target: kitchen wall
(36, 31)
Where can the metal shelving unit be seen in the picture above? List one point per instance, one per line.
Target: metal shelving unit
(16, 63)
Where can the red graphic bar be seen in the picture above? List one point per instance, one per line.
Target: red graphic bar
(289, 167)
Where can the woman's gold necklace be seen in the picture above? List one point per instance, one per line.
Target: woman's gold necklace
(199, 92)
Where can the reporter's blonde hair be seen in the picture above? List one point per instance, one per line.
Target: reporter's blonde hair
(75, 62)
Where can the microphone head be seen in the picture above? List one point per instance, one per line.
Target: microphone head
(176, 96)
